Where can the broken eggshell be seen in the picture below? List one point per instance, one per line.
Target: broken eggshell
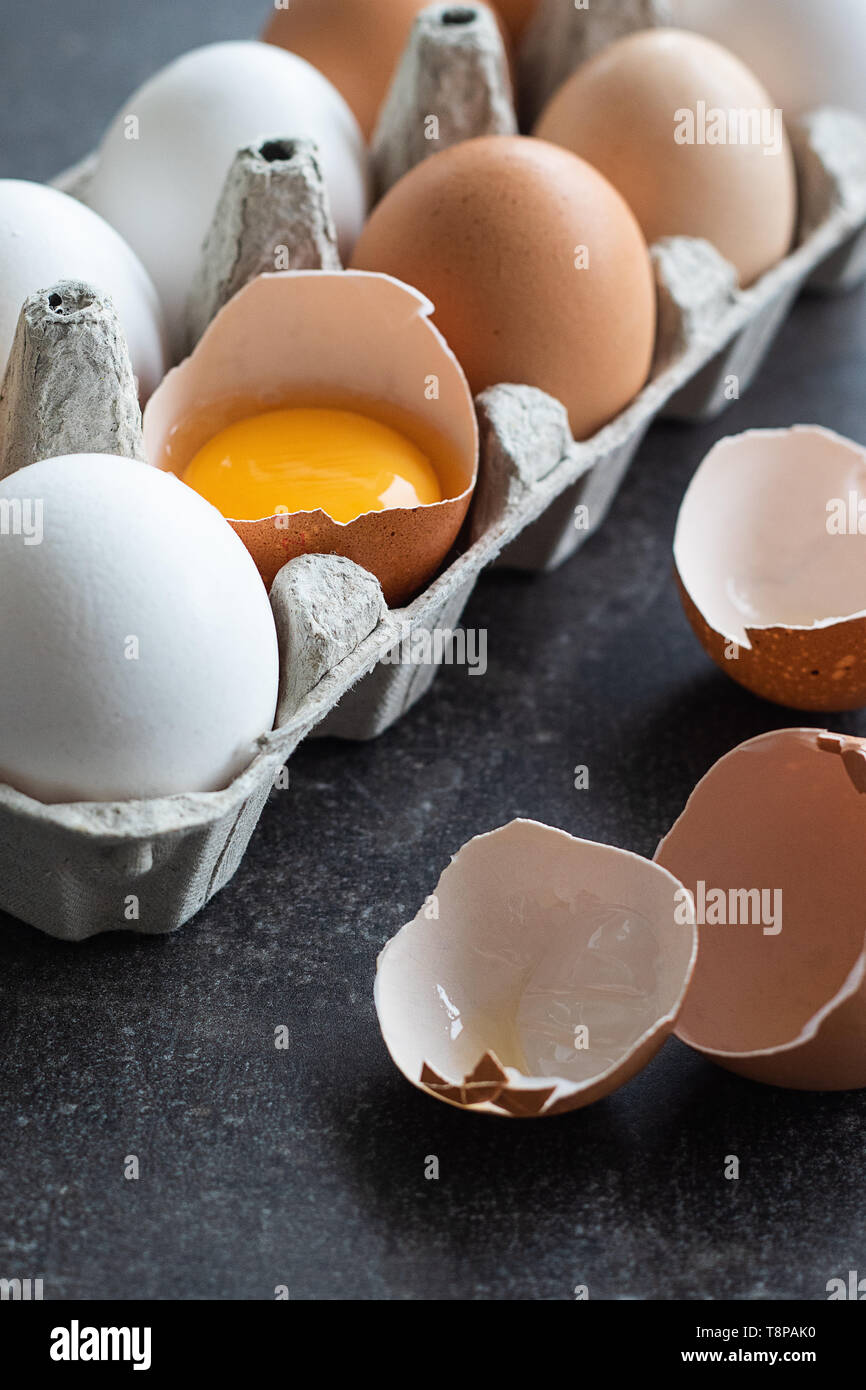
(346, 339)
(542, 974)
(771, 572)
(780, 999)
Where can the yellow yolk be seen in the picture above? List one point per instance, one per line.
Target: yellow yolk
(300, 460)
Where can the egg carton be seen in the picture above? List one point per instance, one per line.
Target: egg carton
(713, 336)
(77, 870)
(455, 66)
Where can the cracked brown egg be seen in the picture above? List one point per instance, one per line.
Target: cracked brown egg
(771, 563)
(543, 973)
(310, 409)
(771, 846)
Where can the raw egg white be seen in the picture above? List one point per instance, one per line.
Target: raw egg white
(138, 652)
(163, 162)
(46, 236)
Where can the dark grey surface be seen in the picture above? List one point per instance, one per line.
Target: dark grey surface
(306, 1167)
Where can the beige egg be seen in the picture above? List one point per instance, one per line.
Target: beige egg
(770, 845)
(690, 138)
(537, 271)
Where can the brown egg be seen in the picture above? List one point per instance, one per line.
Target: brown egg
(537, 271)
(655, 113)
(770, 845)
(357, 44)
(517, 15)
(771, 563)
(339, 340)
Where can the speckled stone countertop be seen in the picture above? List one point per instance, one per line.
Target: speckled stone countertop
(305, 1167)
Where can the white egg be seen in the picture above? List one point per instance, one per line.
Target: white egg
(164, 159)
(138, 653)
(807, 53)
(46, 236)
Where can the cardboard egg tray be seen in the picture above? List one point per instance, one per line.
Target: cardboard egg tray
(77, 870)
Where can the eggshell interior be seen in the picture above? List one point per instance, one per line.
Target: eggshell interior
(530, 935)
(345, 339)
(784, 813)
(761, 567)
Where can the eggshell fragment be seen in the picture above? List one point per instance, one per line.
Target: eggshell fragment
(347, 340)
(779, 994)
(774, 592)
(542, 974)
(654, 113)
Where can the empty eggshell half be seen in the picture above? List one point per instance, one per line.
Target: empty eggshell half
(542, 974)
(343, 339)
(771, 565)
(771, 845)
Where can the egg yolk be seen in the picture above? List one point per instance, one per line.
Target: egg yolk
(300, 460)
